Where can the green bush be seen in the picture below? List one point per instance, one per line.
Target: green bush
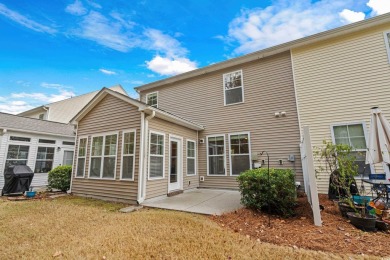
(253, 186)
(59, 178)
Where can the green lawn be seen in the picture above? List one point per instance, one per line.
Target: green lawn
(77, 228)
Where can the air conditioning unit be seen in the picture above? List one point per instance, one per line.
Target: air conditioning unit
(201, 178)
(201, 140)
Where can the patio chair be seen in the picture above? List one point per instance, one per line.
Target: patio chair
(379, 189)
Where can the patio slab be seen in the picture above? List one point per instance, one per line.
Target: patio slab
(203, 201)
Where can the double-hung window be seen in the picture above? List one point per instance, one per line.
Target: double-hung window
(216, 155)
(103, 156)
(387, 43)
(233, 87)
(156, 155)
(128, 155)
(240, 159)
(353, 135)
(81, 155)
(191, 157)
(17, 155)
(45, 157)
(151, 99)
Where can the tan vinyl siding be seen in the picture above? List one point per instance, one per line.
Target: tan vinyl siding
(339, 80)
(110, 115)
(155, 188)
(268, 88)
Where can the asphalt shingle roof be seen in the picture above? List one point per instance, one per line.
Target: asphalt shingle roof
(14, 122)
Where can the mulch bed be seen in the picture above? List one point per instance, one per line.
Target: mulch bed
(336, 235)
(38, 196)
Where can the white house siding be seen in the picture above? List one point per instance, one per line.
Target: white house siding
(338, 81)
(40, 179)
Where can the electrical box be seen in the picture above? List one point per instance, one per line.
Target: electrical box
(291, 158)
(256, 165)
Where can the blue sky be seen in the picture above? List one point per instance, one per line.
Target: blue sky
(52, 50)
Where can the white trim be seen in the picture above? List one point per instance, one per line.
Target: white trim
(195, 158)
(163, 155)
(296, 94)
(242, 88)
(387, 44)
(102, 156)
(77, 157)
(249, 150)
(363, 123)
(224, 154)
(180, 178)
(133, 154)
(151, 93)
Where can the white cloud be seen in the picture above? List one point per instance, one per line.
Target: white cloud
(158, 41)
(107, 72)
(112, 34)
(379, 6)
(258, 28)
(170, 66)
(17, 108)
(24, 21)
(76, 8)
(47, 98)
(350, 16)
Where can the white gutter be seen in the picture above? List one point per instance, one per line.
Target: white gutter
(143, 172)
(36, 132)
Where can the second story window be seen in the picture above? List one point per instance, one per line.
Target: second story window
(233, 87)
(151, 99)
(387, 42)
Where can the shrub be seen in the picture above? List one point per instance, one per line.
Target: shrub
(253, 186)
(59, 178)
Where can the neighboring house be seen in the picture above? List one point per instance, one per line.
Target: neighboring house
(63, 111)
(338, 78)
(41, 145)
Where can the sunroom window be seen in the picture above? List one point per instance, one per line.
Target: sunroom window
(103, 156)
(156, 156)
(233, 87)
(128, 155)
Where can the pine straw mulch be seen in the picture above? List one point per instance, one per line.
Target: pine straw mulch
(336, 235)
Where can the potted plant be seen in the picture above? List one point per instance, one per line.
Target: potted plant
(339, 161)
(360, 218)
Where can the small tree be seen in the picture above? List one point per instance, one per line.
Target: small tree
(340, 164)
(59, 178)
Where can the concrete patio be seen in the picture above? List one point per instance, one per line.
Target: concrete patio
(203, 201)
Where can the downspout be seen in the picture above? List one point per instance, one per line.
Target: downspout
(143, 175)
(75, 155)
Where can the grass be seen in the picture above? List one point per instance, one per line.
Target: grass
(78, 228)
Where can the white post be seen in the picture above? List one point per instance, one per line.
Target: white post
(312, 192)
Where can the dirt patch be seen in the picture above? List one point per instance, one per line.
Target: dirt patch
(336, 235)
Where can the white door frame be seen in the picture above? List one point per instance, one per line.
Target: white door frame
(179, 184)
